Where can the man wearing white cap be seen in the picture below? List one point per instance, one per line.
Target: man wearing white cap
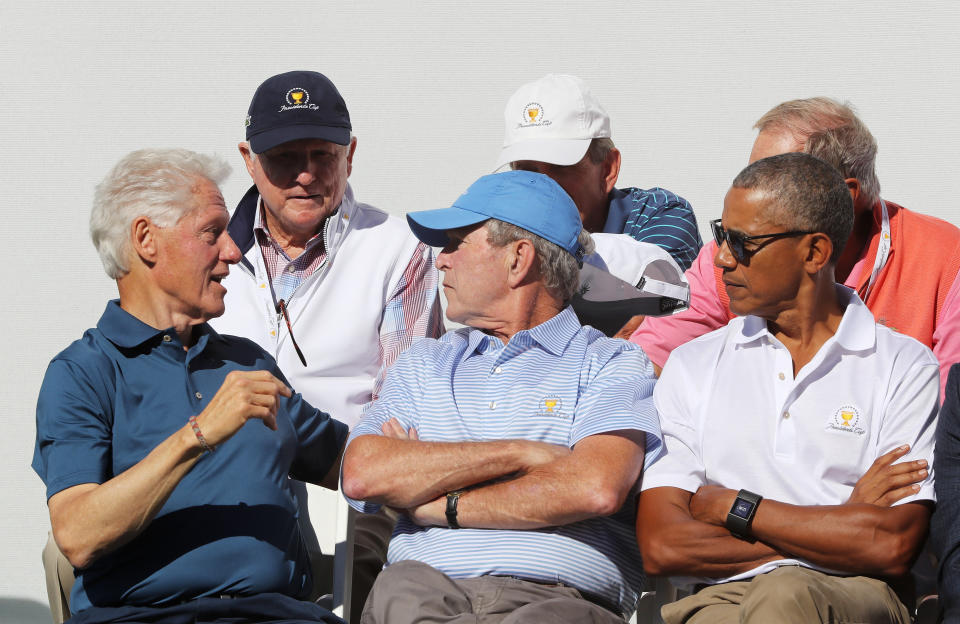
(557, 127)
(513, 445)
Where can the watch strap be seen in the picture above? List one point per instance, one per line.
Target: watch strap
(452, 499)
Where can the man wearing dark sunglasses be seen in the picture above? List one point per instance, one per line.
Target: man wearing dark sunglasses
(902, 264)
(758, 506)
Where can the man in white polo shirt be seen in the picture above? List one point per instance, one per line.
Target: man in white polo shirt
(770, 422)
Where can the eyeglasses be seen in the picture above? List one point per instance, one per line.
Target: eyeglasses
(736, 241)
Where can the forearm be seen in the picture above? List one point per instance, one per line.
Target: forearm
(857, 538)
(595, 480)
(407, 473)
(861, 539)
(535, 500)
(90, 520)
(673, 543)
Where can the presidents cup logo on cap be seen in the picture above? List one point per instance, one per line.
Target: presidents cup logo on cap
(533, 116)
(298, 98)
(846, 419)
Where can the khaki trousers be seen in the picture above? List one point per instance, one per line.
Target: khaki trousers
(410, 592)
(791, 594)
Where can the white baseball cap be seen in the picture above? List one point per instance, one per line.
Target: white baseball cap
(552, 120)
(624, 278)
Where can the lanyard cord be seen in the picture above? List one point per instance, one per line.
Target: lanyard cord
(883, 250)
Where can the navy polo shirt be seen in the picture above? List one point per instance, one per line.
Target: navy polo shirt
(230, 526)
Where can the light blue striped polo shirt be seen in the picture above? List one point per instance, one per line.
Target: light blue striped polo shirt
(558, 382)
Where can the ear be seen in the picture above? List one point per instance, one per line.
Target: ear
(143, 239)
(818, 253)
(521, 258)
(248, 156)
(350, 151)
(853, 185)
(611, 169)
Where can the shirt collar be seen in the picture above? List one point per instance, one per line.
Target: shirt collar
(246, 219)
(618, 211)
(857, 330)
(553, 334)
(127, 331)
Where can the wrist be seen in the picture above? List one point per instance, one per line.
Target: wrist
(739, 519)
(187, 442)
(451, 509)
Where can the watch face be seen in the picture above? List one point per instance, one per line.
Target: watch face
(742, 508)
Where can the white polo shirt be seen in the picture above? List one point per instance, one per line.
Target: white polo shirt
(733, 414)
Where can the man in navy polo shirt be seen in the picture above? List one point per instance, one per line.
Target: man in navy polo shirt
(513, 445)
(171, 506)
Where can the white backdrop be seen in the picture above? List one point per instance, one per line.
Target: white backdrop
(82, 83)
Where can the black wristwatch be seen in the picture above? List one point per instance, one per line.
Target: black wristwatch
(452, 498)
(741, 514)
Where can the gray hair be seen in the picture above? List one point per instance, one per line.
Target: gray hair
(832, 132)
(808, 194)
(559, 270)
(599, 149)
(155, 183)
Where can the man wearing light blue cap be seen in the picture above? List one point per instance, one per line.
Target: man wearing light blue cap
(514, 445)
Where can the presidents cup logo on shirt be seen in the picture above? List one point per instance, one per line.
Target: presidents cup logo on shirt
(551, 406)
(533, 116)
(298, 98)
(846, 419)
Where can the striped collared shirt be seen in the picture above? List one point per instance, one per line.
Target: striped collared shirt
(558, 382)
(656, 216)
(412, 311)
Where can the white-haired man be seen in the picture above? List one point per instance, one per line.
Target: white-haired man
(902, 264)
(514, 445)
(333, 288)
(169, 503)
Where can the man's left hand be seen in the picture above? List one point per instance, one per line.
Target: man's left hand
(712, 503)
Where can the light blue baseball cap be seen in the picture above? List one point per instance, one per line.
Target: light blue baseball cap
(528, 200)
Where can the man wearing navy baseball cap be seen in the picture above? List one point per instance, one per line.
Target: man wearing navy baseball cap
(333, 288)
(525, 424)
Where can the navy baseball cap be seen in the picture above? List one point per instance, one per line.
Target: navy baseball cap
(528, 200)
(296, 105)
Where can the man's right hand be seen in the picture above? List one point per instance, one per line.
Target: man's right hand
(243, 395)
(886, 482)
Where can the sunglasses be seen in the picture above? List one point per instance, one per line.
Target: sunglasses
(736, 241)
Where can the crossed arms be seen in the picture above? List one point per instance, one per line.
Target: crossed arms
(512, 484)
(683, 533)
